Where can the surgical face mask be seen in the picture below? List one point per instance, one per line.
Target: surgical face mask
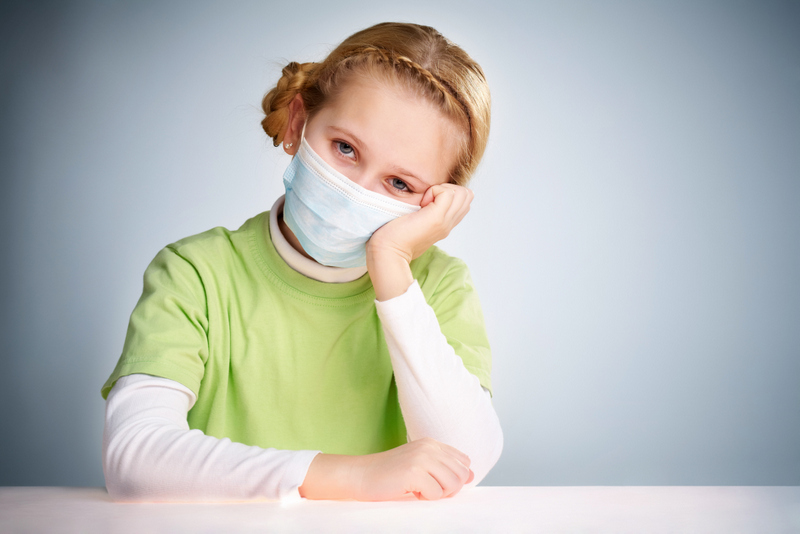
(332, 216)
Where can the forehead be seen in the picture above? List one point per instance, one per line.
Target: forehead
(397, 127)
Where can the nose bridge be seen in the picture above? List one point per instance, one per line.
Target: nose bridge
(366, 177)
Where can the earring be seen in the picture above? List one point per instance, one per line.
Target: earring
(288, 145)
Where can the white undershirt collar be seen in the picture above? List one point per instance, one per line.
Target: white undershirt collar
(300, 263)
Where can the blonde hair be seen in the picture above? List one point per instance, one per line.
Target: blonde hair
(417, 56)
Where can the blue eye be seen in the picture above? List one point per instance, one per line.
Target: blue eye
(345, 149)
(399, 184)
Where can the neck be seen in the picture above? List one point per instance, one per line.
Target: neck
(288, 247)
(290, 237)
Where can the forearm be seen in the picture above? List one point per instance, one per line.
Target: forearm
(389, 271)
(150, 454)
(438, 396)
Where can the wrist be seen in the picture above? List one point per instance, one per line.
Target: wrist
(331, 476)
(390, 272)
(378, 250)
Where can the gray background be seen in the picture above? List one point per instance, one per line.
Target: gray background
(635, 235)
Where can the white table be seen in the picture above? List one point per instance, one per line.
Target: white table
(618, 510)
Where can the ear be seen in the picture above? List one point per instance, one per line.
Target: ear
(294, 126)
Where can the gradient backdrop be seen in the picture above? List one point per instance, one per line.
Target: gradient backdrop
(635, 235)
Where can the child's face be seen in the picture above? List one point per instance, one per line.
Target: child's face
(385, 139)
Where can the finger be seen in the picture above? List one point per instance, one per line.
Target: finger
(436, 201)
(428, 488)
(437, 211)
(443, 194)
(459, 206)
(441, 450)
(457, 468)
(455, 204)
(427, 198)
(432, 192)
(461, 213)
(449, 480)
(467, 204)
(452, 451)
(461, 197)
(467, 196)
(470, 479)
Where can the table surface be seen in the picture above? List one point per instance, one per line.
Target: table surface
(609, 509)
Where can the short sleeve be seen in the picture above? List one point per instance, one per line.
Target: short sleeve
(458, 310)
(168, 330)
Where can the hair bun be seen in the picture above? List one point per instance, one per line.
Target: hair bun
(275, 104)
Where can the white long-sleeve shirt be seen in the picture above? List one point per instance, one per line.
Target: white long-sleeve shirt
(150, 454)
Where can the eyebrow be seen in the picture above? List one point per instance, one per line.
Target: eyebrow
(395, 168)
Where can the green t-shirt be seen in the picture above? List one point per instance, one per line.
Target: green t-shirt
(280, 360)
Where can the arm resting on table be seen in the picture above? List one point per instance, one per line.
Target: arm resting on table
(150, 454)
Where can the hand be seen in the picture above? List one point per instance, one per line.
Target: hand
(392, 247)
(425, 468)
(443, 207)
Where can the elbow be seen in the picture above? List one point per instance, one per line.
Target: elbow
(124, 473)
(486, 461)
(122, 484)
(128, 486)
(121, 490)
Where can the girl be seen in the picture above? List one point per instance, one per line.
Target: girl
(326, 349)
